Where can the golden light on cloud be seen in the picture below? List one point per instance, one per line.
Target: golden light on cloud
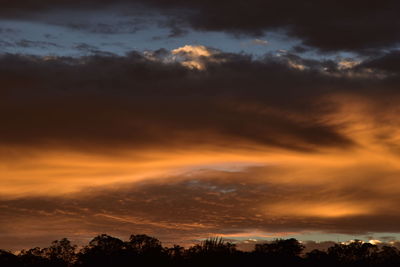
(56, 172)
(193, 50)
(65, 171)
(212, 163)
(319, 210)
(193, 55)
(348, 63)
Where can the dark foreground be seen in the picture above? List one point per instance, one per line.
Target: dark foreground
(142, 250)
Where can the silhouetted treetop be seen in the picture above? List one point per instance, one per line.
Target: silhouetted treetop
(144, 244)
(281, 248)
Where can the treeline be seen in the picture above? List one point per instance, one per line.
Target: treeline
(143, 250)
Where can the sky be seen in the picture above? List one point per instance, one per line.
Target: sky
(190, 119)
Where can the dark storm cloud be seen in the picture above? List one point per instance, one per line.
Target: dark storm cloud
(132, 101)
(360, 26)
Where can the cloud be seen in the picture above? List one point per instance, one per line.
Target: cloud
(259, 42)
(79, 118)
(255, 42)
(133, 101)
(8, 31)
(86, 47)
(36, 44)
(193, 56)
(193, 51)
(348, 63)
(195, 205)
(328, 27)
(100, 143)
(110, 25)
(386, 62)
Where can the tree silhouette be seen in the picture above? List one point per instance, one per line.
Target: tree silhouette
(352, 253)
(388, 256)
(212, 252)
(176, 252)
(282, 252)
(8, 259)
(61, 253)
(34, 257)
(318, 258)
(281, 247)
(103, 250)
(144, 244)
(214, 246)
(147, 251)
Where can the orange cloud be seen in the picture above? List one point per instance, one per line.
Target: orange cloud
(198, 153)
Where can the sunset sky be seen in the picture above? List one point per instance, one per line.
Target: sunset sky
(251, 120)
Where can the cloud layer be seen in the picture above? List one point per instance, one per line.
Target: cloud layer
(354, 25)
(194, 142)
